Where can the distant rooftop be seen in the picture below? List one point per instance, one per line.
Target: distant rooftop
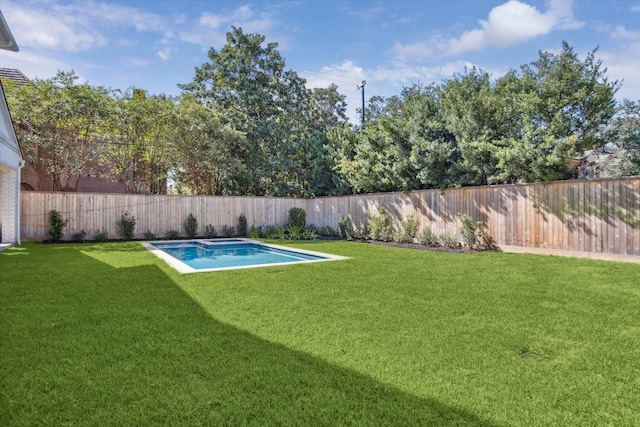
(13, 74)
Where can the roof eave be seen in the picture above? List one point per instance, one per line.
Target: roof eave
(7, 42)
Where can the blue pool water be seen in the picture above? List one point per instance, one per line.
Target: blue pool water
(207, 255)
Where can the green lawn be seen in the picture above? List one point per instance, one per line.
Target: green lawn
(107, 334)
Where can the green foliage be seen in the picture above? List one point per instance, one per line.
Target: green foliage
(471, 231)
(210, 231)
(79, 235)
(228, 230)
(126, 225)
(361, 232)
(191, 226)
(346, 228)
(428, 238)
(327, 230)
(242, 225)
(297, 217)
(275, 117)
(475, 130)
(254, 233)
(294, 232)
(57, 122)
(172, 235)
(141, 148)
(309, 234)
(208, 150)
(408, 230)
(448, 240)
(271, 232)
(101, 236)
(246, 125)
(281, 232)
(56, 224)
(148, 235)
(379, 226)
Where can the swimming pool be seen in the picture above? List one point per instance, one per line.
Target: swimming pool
(191, 256)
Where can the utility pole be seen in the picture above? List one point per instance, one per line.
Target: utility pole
(364, 82)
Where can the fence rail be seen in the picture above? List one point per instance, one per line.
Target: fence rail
(594, 216)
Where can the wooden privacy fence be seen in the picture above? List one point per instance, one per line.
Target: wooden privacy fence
(155, 213)
(594, 216)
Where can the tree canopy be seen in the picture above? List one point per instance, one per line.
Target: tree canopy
(246, 125)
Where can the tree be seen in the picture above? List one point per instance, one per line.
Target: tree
(248, 80)
(138, 149)
(624, 148)
(407, 147)
(566, 106)
(208, 153)
(327, 109)
(58, 123)
(470, 112)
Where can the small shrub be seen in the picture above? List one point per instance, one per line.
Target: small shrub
(127, 225)
(210, 231)
(360, 233)
(254, 233)
(242, 225)
(297, 217)
(56, 224)
(281, 232)
(172, 235)
(271, 232)
(294, 232)
(346, 228)
(191, 226)
(408, 230)
(101, 236)
(449, 240)
(380, 227)
(327, 230)
(148, 235)
(309, 234)
(227, 231)
(471, 231)
(428, 238)
(80, 235)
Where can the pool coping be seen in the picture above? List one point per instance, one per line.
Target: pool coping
(183, 268)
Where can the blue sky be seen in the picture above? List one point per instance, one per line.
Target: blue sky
(156, 44)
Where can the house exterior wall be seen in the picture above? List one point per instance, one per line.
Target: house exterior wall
(10, 164)
(10, 214)
(10, 157)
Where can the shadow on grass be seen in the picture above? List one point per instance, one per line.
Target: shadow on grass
(89, 344)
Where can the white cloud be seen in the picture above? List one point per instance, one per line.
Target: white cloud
(138, 62)
(514, 22)
(622, 66)
(73, 27)
(412, 51)
(621, 32)
(36, 28)
(242, 15)
(165, 54)
(401, 74)
(635, 8)
(211, 28)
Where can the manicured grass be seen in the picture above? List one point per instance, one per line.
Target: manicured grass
(107, 334)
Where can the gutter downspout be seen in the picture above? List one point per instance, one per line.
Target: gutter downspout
(21, 164)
